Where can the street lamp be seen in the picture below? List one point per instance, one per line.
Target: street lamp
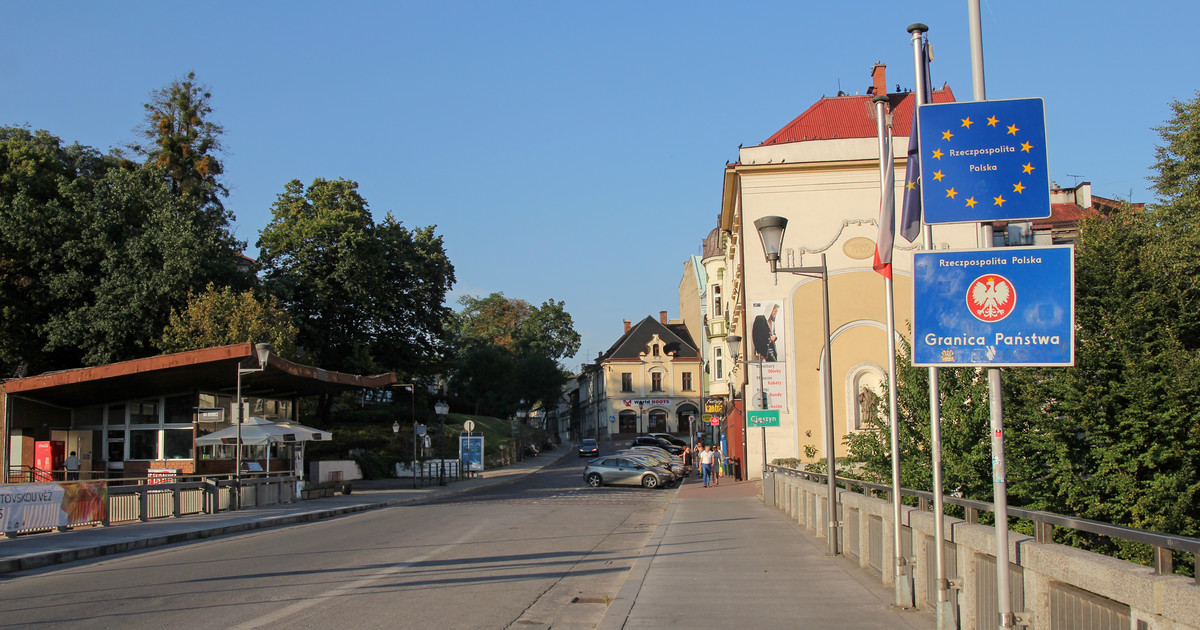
(770, 230)
(263, 350)
(521, 414)
(441, 408)
(412, 391)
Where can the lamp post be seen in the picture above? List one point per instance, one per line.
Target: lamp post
(521, 414)
(441, 408)
(770, 230)
(263, 350)
(412, 391)
(734, 347)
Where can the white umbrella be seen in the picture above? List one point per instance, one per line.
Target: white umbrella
(260, 431)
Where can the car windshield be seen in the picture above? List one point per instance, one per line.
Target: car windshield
(588, 443)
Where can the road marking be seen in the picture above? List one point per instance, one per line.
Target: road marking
(287, 611)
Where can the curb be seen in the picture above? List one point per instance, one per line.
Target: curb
(62, 556)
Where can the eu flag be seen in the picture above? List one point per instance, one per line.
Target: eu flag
(910, 216)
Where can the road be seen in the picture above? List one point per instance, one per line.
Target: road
(542, 551)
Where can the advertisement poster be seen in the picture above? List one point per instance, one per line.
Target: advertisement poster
(765, 366)
(46, 506)
(470, 452)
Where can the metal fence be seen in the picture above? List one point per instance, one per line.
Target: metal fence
(1053, 586)
(131, 500)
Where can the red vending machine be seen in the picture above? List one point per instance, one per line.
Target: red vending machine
(48, 459)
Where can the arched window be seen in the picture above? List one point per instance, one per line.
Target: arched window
(658, 421)
(627, 421)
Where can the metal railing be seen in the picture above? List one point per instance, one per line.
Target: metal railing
(140, 499)
(1044, 522)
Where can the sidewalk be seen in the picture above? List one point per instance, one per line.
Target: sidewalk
(720, 559)
(39, 550)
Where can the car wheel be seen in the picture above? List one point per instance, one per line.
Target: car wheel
(594, 480)
(649, 481)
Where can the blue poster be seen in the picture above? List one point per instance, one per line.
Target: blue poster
(470, 452)
(984, 161)
(1009, 306)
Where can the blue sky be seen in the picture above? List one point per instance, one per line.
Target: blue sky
(545, 138)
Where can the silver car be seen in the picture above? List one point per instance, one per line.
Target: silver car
(676, 467)
(616, 470)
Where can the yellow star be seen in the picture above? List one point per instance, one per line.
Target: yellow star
(951, 193)
(992, 120)
(967, 122)
(937, 176)
(1018, 188)
(1026, 147)
(937, 154)
(946, 135)
(971, 202)
(999, 201)
(1012, 130)
(911, 185)
(1028, 168)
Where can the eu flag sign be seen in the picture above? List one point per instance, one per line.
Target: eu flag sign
(984, 161)
(1007, 306)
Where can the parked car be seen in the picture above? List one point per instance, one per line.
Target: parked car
(619, 470)
(658, 450)
(672, 464)
(674, 439)
(650, 440)
(588, 446)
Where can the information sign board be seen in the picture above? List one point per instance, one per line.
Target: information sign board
(1010, 306)
(984, 161)
(763, 418)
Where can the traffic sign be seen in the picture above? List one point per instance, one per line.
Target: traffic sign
(984, 161)
(716, 422)
(1010, 306)
(469, 426)
(763, 418)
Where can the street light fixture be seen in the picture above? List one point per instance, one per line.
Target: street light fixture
(412, 391)
(441, 408)
(263, 350)
(770, 231)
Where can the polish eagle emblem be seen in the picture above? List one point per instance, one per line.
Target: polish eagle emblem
(991, 298)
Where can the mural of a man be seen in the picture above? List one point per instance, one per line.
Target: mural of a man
(763, 334)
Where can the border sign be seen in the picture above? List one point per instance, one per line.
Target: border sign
(984, 161)
(763, 418)
(1011, 306)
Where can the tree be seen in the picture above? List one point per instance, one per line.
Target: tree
(364, 297)
(95, 254)
(219, 316)
(532, 338)
(183, 142)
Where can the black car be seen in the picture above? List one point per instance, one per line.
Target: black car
(588, 446)
(676, 440)
(650, 440)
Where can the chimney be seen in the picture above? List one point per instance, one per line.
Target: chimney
(627, 323)
(878, 79)
(662, 316)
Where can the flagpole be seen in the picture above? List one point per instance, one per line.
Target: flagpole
(945, 616)
(887, 214)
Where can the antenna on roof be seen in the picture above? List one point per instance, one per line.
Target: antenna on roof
(1076, 178)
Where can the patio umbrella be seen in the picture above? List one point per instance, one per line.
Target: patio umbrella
(260, 431)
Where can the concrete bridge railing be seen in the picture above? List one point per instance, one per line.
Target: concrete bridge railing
(1053, 585)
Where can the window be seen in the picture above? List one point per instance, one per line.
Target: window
(716, 297)
(720, 364)
(655, 349)
(626, 382)
(177, 444)
(178, 409)
(628, 421)
(658, 420)
(656, 382)
(687, 381)
(143, 444)
(144, 412)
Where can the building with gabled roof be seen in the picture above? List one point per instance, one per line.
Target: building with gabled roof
(648, 381)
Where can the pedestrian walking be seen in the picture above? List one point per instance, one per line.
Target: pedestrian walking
(706, 464)
(718, 466)
(72, 466)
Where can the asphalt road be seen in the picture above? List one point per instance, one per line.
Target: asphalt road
(543, 551)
